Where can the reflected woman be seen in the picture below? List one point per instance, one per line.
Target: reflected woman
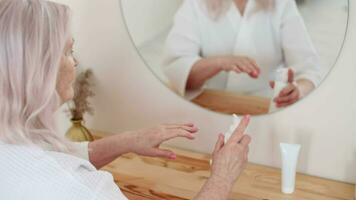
(237, 45)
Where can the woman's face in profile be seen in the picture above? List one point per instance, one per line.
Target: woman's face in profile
(66, 74)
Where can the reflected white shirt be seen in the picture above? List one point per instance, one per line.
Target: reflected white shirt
(34, 174)
(274, 38)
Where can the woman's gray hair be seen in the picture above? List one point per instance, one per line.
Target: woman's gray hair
(33, 34)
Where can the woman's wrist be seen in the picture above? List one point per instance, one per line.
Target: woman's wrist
(304, 86)
(127, 141)
(202, 71)
(220, 181)
(131, 141)
(105, 150)
(218, 63)
(215, 187)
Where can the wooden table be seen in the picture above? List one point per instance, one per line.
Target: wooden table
(232, 103)
(155, 178)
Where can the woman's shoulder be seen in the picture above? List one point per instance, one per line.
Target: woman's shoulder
(29, 170)
(23, 161)
(41, 174)
(20, 152)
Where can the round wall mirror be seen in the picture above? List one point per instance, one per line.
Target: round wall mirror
(243, 57)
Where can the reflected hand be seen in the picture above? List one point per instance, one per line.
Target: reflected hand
(239, 64)
(146, 142)
(230, 159)
(290, 94)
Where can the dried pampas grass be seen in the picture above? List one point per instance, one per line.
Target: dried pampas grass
(80, 104)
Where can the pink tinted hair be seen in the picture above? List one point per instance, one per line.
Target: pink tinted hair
(33, 34)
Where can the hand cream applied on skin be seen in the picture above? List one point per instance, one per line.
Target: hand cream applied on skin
(289, 153)
(280, 82)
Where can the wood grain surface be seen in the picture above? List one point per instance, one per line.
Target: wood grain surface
(156, 178)
(232, 103)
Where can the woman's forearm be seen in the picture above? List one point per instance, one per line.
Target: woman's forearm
(105, 150)
(202, 71)
(214, 188)
(305, 87)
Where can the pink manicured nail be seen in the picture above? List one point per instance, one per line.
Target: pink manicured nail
(173, 157)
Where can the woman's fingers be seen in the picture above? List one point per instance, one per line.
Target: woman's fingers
(271, 84)
(189, 124)
(188, 127)
(245, 141)
(257, 70)
(290, 75)
(247, 150)
(183, 124)
(240, 130)
(219, 143)
(287, 90)
(286, 101)
(281, 105)
(244, 66)
(248, 70)
(236, 69)
(174, 133)
(185, 134)
(292, 97)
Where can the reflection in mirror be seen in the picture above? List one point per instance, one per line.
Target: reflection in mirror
(243, 57)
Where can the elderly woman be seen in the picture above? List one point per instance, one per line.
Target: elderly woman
(37, 69)
(237, 45)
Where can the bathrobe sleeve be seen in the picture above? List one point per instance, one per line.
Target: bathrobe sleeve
(298, 50)
(182, 48)
(82, 150)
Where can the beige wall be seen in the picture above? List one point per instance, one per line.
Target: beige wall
(129, 97)
(149, 18)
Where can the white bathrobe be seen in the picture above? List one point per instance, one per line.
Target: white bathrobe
(34, 174)
(274, 37)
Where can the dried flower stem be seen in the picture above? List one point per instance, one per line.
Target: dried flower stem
(82, 91)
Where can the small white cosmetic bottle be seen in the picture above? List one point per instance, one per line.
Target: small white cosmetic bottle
(280, 82)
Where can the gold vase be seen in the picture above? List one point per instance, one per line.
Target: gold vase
(78, 132)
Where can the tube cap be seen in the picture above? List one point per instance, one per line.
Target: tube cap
(287, 190)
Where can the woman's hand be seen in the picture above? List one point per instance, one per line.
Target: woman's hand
(229, 160)
(146, 142)
(239, 64)
(290, 94)
(206, 68)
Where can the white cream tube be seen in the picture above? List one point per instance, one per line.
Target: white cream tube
(235, 123)
(290, 153)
